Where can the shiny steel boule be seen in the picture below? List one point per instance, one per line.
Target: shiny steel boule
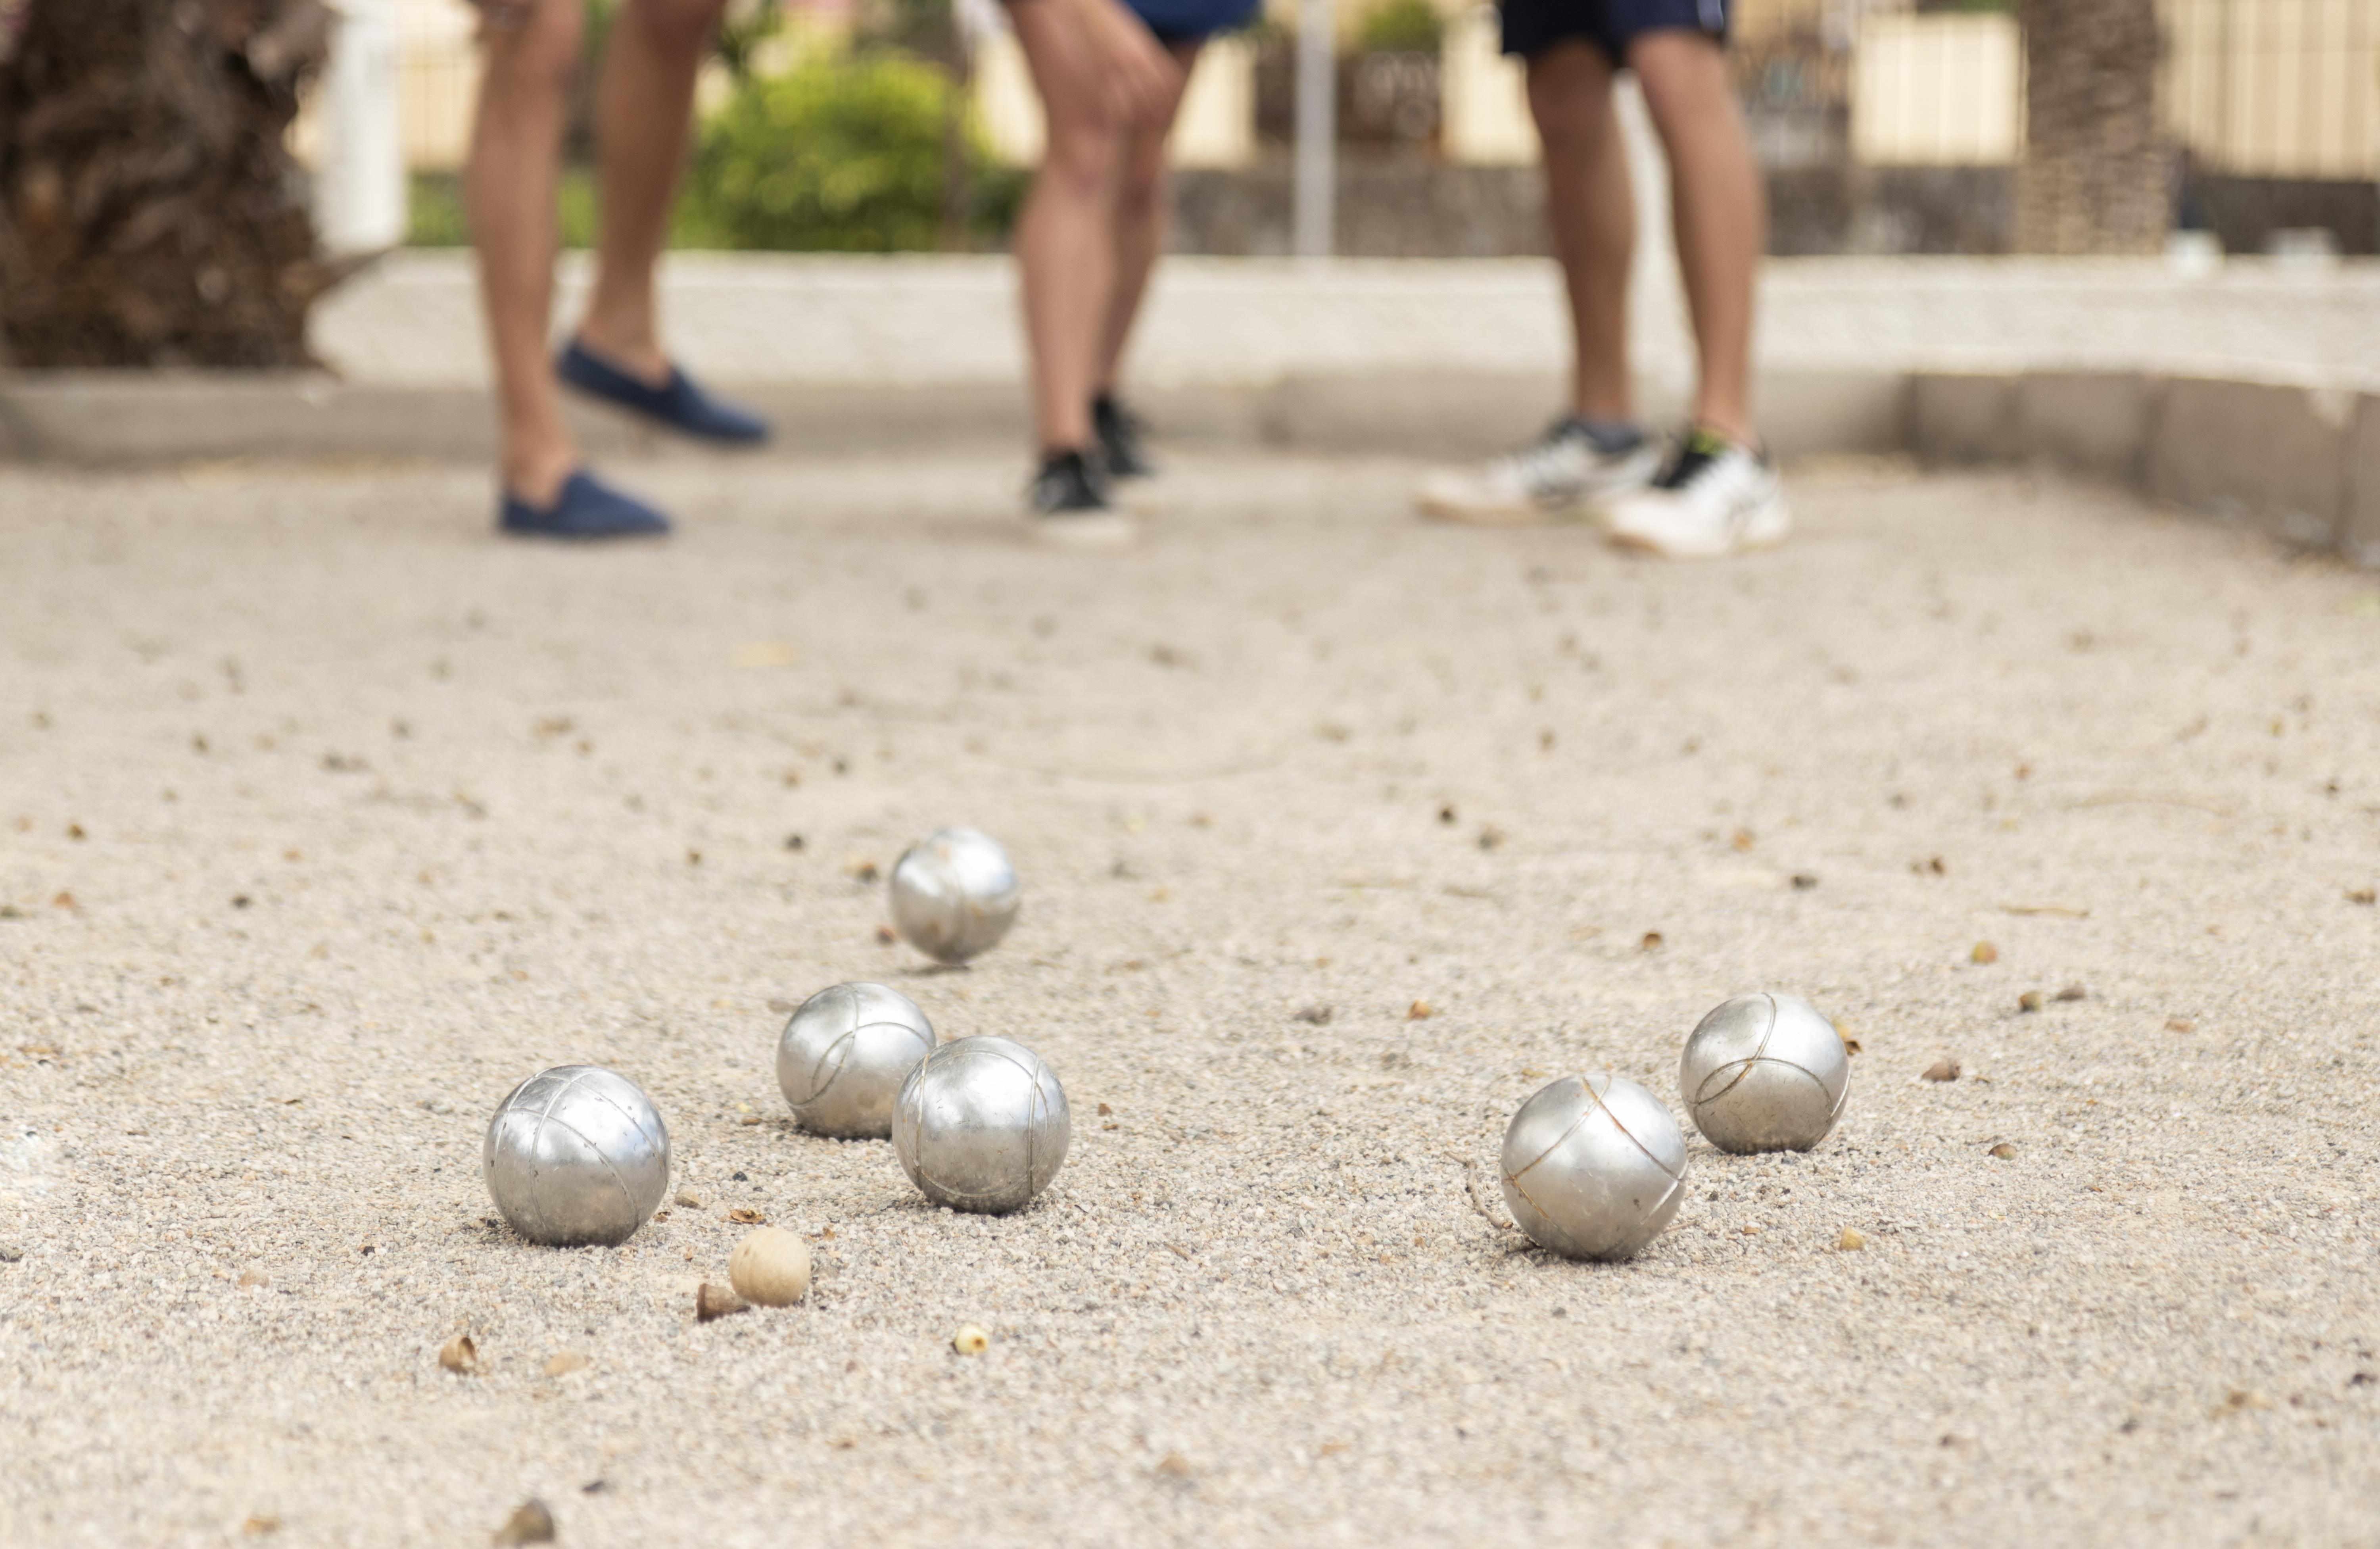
(575, 1154)
(981, 1125)
(954, 894)
(1593, 1166)
(1765, 1072)
(843, 1055)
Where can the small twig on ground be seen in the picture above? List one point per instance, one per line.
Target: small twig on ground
(1479, 1200)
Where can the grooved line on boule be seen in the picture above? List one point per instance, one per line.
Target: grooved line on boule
(1605, 1109)
(831, 1051)
(1766, 1034)
(1551, 1146)
(597, 1151)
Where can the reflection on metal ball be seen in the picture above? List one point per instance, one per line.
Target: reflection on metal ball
(843, 1055)
(575, 1154)
(1593, 1166)
(1765, 1072)
(954, 894)
(981, 1125)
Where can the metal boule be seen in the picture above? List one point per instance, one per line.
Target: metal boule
(575, 1154)
(843, 1055)
(954, 894)
(1593, 1166)
(1765, 1072)
(981, 1125)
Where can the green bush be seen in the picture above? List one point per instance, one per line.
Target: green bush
(438, 221)
(1401, 27)
(843, 153)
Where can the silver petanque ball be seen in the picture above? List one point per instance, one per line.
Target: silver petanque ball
(981, 1125)
(843, 1055)
(1765, 1072)
(1593, 1166)
(954, 894)
(575, 1154)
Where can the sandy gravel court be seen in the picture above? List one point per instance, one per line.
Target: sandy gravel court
(324, 817)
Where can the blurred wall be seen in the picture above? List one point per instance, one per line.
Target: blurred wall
(1882, 125)
(2285, 88)
(1937, 91)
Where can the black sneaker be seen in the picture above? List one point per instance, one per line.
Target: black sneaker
(1067, 506)
(1119, 430)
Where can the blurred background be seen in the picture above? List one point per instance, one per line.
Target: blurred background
(266, 145)
(1884, 125)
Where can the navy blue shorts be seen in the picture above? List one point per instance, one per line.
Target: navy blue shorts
(1188, 21)
(1531, 26)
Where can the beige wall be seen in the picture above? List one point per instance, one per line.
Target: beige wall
(1483, 105)
(1944, 89)
(2276, 87)
(441, 78)
(2273, 88)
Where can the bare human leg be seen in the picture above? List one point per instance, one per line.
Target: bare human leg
(1591, 211)
(1139, 224)
(532, 51)
(645, 106)
(1065, 251)
(1719, 210)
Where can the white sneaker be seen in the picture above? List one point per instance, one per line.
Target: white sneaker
(1565, 471)
(1713, 497)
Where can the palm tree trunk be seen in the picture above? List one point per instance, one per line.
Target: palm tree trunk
(149, 214)
(2095, 174)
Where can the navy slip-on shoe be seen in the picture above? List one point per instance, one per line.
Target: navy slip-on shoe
(681, 404)
(587, 508)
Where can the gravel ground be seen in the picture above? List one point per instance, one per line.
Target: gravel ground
(323, 819)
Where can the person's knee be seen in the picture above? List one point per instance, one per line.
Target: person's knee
(1682, 74)
(539, 50)
(1142, 188)
(1081, 157)
(1570, 96)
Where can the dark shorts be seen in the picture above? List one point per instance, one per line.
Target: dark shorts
(1176, 22)
(1190, 21)
(1531, 26)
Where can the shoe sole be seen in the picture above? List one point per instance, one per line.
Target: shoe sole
(1583, 507)
(1750, 543)
(547, 535)
(1140, 498)
(1107, 532)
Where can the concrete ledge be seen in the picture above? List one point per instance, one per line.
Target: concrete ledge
(2301, 460)
(2095, 423)
(109, 419)
(2276, 453)
(2359, 527)
(1812, 413)
(128, 419)
(16, 443)
(1959, 418)
(1460, 414)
